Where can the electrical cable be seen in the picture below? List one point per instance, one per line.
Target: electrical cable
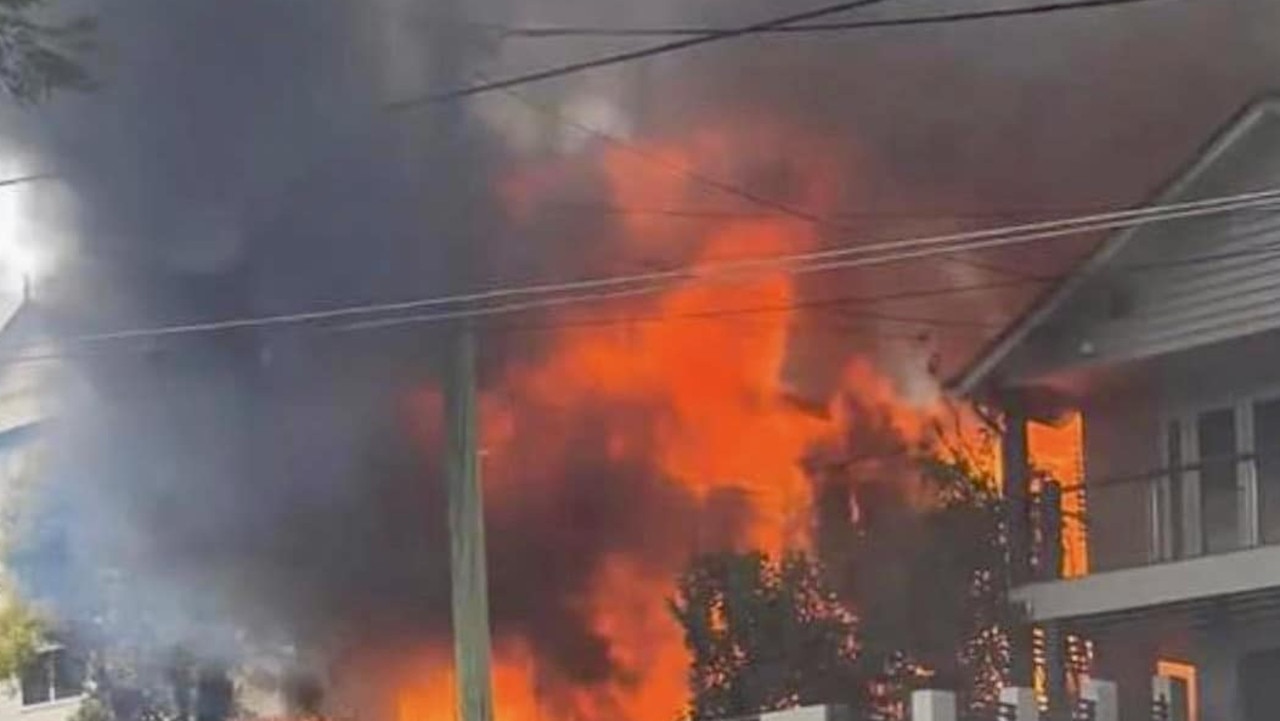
(800, 264)
(559, 116)
(1265, 250)
(570, 292)
(716, 214)
(948, 18)
(24, 179)
(628, 56)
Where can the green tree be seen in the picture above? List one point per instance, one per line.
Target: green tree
(38, 57)
(918, 552)
(21, 632)
(765, 635)
(924, 562)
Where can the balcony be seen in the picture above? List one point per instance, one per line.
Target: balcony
(1174, 535)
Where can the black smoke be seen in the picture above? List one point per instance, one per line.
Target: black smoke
(239, 160)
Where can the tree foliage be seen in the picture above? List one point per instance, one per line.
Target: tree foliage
(21, 632)
(765, 635)
(928, 577)
(39, 58)
(922, 563)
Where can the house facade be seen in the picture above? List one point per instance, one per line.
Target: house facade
(54, 685)
(1166, 343)
(51, 687)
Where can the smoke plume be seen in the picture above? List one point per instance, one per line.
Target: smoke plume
(284, 485)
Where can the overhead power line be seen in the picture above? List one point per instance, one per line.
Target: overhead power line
(700, 178)
(24, 179)
(624, 286)
(1259, 251)
(836, 258)
(930, 322)
(836, 302)
(721, 214)
(819, 261)
(693, 175)
(631, 55)
(959, 16)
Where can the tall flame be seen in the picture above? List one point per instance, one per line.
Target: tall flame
(702, 405)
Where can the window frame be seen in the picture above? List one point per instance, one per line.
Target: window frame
(1249, 507)
(47, 655)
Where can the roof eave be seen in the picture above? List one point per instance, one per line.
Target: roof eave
(969, 381)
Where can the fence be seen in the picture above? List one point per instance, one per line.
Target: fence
(1098, 701)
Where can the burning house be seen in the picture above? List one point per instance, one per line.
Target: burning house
(273, 496)
(1165, 342)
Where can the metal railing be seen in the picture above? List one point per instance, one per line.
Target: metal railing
(1217, 505)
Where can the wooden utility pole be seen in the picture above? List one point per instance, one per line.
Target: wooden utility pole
(468, 575)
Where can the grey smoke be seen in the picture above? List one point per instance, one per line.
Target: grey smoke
(239, 161)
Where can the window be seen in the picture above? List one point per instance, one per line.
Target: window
(1185, 674)
(1266, 433)
(53, 675)
(1222, 491)
(1169, 520)
(1219, 482)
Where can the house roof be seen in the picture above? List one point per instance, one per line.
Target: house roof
(980, 370)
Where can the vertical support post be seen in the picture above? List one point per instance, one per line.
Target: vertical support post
(927, 705)
(468, 577)
(1050, 517)
(1015, 459)
(1016, 484)
(1055, 657)
(1104, 697)
(1022, 703)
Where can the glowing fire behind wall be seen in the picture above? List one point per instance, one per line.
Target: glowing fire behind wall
(699, 402)
(1059, 450)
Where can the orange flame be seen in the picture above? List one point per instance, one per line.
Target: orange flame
(715, 417)
(1059, 450)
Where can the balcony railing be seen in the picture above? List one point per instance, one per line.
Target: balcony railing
(1217, 505)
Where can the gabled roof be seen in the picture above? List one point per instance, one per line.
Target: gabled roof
(23, 324)
(990, 358)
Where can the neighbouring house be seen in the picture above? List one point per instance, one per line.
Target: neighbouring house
(51, 687)
(1166, 343)
(36, 383)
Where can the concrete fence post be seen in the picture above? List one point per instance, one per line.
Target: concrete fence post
(1021, 702)
(801, 713)
(1104, 696)
(933, 706)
